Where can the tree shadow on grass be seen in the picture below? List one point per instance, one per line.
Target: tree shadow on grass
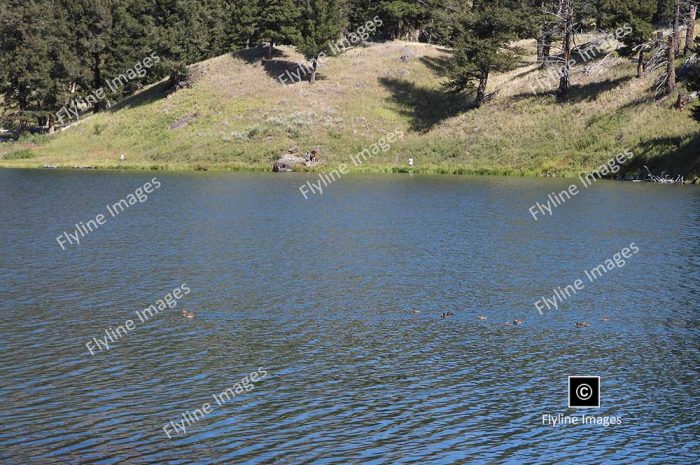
(291, 72)
(254, 55)
(525, 72)
(157, 92)
(287, 72)
(675, 155)
(590, 92)
(695, 112)
(426, 107)
(281, 70)
(274, 68)
(578, 92)
(639, 102)
(438, 65)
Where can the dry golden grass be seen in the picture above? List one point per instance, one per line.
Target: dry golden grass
(239, 116)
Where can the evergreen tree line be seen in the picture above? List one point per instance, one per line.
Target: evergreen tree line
(55, 51)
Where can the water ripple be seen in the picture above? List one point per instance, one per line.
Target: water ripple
(321, 294)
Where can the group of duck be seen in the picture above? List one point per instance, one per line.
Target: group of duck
(517, 322)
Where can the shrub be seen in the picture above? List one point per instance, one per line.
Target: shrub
(20, 155)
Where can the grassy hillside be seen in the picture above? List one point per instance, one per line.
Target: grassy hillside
(238, 116)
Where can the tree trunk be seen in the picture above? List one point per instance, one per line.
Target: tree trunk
(546, 47)
(97, 77)
(659, 38)
(312, 77)
(22, 100)
(676, 29)
(540, 36)
(544, 42)
(599, 9)
(680, 102)
(22, 128)
(690, 33)
(670, 67)
(641, 71)
(481, 90)
(564, 82)
(73, 88)
(412, 35)
(96, 74)
(268, 50)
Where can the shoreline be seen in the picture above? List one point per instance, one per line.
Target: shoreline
(535, 137)
(428, 171)
(178, 168)
(365, 169)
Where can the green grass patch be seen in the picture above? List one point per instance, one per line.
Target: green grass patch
(238, 117)
(22, 154)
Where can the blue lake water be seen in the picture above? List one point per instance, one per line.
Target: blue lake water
(321, 294)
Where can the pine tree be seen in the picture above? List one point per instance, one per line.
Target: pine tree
(244, 23)
(214, 17)
(65, 65)
(637, 16)
(34, 64)
(109, 37)
(91, 22)
(401, 17)
(279, 23)
(361, 11)
(321, 24)
(442, 26)
(128, 45)
(541, 26)
(57, 50)
(180, 35)
(664, 12)
(567, 14)
(484, 46)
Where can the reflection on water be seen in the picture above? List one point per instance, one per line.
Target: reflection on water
(320, 293)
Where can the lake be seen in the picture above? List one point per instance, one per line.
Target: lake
(338, 299)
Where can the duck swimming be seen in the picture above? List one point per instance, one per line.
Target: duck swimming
(188, 315)
(447, 315)
(481, 317)
(518, 322)
(582, 324)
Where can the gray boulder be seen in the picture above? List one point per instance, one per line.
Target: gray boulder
(288, 163)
